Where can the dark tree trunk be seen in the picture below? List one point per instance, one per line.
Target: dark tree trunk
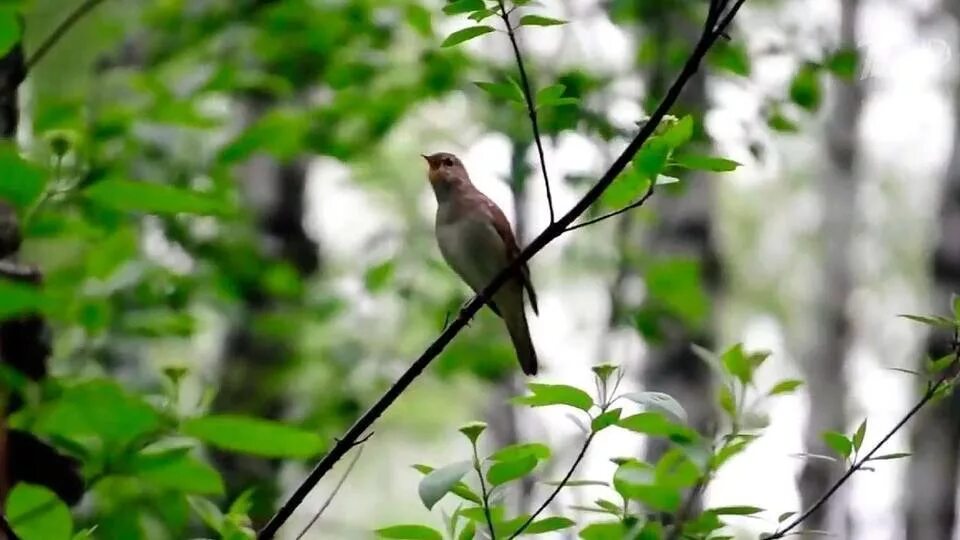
(932, 479)
(823, 365)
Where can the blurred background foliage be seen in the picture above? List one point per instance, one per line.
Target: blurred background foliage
(227, 204)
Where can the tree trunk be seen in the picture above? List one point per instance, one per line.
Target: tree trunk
(931, 483)
(824, 363)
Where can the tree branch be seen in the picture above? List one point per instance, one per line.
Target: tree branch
(336, 489)
(61, 30)
(530, 102)
(637, 204)
(708, 38)
(931, 392)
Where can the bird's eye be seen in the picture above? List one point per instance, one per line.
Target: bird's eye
(447, 162)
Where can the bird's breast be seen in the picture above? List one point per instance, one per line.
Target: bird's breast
(472, 247)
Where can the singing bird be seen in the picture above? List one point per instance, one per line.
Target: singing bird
(477, 242)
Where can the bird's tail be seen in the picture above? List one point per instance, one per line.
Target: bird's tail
(516, 321)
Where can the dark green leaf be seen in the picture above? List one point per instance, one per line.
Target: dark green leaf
(19, 299)
(549, 524)
(637, 481)
(99, 408)
(604, 371)
(736, 510)
(409, 532)
(505, 471)
(418, 17)
(35, 513)
(805, 90)
(658, 401)
(22, 181)
(605, 420)
(154, 198)
(10, 28)
(778, 121)
(843, 63)
(505, 91)
(679, 133)
(473, 430)
(466, 34)
(706, 163)
(439, 482)
(839, 443)
(538, 20)
(556, 394)
(463, 6)
(178, 471)
(254, 436)
(656, 424)
(652, 158)
(731, 57)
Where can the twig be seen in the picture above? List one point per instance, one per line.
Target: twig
(560, 485)
(636, 204)
(484, 494)
(336, 489)
(60, 31)
(857, 465)
(529, 100)
(553, 231)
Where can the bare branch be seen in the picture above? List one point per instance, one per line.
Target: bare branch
(530, 102)
(336, 489)
(554, 230)
(637, 204)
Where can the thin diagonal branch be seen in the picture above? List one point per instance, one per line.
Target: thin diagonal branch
(560, 485)
(928, 396)
(61, 30)
(711, 33)
(636, 204)
(530, 102)
(336, 489)
(484, 494)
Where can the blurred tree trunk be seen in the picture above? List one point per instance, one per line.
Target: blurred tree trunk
(683, 234)
(824, 363)
(931, 483)
(254, 363)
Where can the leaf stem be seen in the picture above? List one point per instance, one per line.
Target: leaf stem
(484, 494)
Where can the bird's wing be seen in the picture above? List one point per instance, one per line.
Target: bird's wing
(502, 226)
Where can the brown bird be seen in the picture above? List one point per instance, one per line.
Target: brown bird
(476, 240)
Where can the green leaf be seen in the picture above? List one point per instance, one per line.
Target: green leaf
(459, 489)
(937, 366)
(652, 158)
(637, 481)
(473, 430)
(35, 513)
(605, 420)
(736, 510)
(935, 321)
(629, 186)
(409, 532)
(480, 15)
(679, 133)
(10, 29)
(656, 424)
(785, 516)
(505, 91)
(439, 482)
(805, 88)
(376, 278)
(604, 531)
(23, 182)
(728, 402)
(675, 284)
(955, 304)
(154, 198)
(550, 93)
(539, 20)
(466, 34)
(604, 371)
(254, 436)
(843, 63)
(731, 57)
(177, 471)
(778, 121)
(556, 394)
(208, 512)
(785, 386)
(516, 451)
(549, 524)
(895, 455)
(19, 298)
(735, 363)
(706, 163)
(463, 6)
(839, 443)
(859, 434)
(98, 408)
(658, 401)
(418, 17)
(505, 471)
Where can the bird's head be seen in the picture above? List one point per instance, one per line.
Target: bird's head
(446, 171)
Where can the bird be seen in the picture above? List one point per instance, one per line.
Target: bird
(477, 242)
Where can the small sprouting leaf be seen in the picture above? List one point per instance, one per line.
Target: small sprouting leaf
(556, 394)
(785, 516)
(35, 513)
(539, 20)
(609, 506)
(463, 6)
(605, 420)
(885, 457)
(678, 133)
(658, 401)
(604, 371)
(550, 93)
(516, 451)
(473, 430)
(466, 34)
(843, 63)
(736, 510)
(778, 121)
(459, 489)
(706, 163)
(439, 482)
(728, 402)
(549, 524)
(505, 471)
(785, 386)
(708, 357)
(941, 322)
(937, 366)
(839, 443)
(254, 436)
(505, 91)
(735, 363)
(481, 14)
(805, 89)
(409, 532)
(859, 434)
